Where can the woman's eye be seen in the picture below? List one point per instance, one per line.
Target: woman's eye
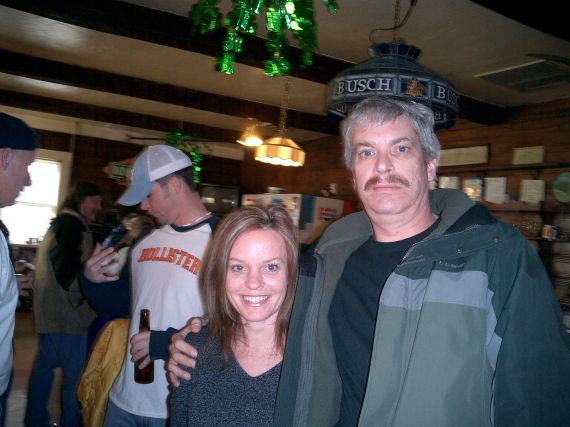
(272, 268)
(236, 268)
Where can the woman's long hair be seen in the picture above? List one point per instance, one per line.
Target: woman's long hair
(223, 317)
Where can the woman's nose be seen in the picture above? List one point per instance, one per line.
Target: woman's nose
(254, 280)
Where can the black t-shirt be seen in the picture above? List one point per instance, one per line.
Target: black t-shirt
(352, 315)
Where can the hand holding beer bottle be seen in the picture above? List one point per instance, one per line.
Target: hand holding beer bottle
(146, 374)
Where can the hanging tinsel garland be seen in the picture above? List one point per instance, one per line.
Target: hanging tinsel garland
(281, 16)
(192, 147)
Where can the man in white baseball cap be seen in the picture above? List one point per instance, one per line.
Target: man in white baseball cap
(153, 163)
(164, 269)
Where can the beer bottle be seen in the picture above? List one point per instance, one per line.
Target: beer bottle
(145, 375)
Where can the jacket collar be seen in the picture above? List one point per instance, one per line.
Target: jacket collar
(355, 228)
(68, 211)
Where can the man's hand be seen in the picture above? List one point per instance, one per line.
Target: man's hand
(181, 353)
(96, 266)
(140, 344)
(24, 282)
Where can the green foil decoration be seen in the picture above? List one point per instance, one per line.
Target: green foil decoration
(296, 16)
(192, 146)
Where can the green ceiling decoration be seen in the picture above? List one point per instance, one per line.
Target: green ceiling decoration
(281, 16)
(192, 146)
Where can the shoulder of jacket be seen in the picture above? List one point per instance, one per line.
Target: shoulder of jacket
(70, 218)
(349, 227)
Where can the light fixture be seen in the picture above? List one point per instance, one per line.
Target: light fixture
(393, 71)
(250, 138)
(280, 150)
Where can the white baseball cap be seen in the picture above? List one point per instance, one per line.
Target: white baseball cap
(153, 163)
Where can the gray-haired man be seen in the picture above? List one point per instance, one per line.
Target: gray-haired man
(18, 144)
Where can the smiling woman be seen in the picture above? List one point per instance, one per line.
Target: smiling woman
(248, 282)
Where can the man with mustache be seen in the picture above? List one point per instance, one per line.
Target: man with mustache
(18, 145)
(422, 310)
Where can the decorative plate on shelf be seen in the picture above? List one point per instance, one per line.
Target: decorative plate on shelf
(561, 187)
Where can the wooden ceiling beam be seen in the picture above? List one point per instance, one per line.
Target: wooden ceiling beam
(159, 27)
(102, 81)
(109, 115)
(172, 30)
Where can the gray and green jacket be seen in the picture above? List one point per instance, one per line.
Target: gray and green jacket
(468, 331)
(59, 304)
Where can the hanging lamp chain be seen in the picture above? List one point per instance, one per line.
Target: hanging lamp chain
(397, 22)
(395, 37)
(284, 107)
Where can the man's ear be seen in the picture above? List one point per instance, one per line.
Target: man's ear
(6, 158)
(432, 170)
(174, 184)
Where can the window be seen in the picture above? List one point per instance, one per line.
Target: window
(29, 218)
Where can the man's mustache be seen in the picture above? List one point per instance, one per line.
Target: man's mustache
(390, 179)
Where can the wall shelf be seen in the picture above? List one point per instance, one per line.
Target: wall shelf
(512, 206)
(444, 170)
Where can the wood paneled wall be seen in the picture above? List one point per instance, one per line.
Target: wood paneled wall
(91, 155)
(545, 124)
(323, 166)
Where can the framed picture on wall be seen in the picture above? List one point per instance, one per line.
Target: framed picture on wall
(532, 190)
(473, 187)
(528, 155)
(475, 155)
(495, 189)
(448, 182)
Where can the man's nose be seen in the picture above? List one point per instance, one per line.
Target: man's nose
(144, 205)
(383, 163)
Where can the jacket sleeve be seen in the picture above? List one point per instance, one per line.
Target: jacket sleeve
(179, 404)
(532, 377)
(109, 298)
(289, 381)
(65, 256)
(158, 347)
(180, 396)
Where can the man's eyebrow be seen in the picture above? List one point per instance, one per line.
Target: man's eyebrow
(401, 139)
(363, 144)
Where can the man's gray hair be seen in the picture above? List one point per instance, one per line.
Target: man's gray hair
(376, 110)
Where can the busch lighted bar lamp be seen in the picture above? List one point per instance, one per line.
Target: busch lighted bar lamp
(393, 71)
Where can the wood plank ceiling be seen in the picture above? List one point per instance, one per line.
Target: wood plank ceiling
(139, 67)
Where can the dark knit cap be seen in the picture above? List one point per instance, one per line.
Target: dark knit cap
(14, 133)
(85, 189)
(80, 191)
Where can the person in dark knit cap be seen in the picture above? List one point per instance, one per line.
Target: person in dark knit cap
(18, 144)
